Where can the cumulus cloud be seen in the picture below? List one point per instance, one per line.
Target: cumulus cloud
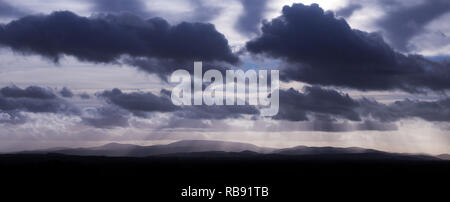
(32, 99)
(327, 105)
(319, 48)
(428, 110)
(65, 92)
(140, 103)
(295, 106)
(105, 38)
(84, 96)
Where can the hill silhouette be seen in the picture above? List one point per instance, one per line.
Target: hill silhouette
(159, 172)
(224, 148)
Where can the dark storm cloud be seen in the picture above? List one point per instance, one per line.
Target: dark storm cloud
(401, 23)
(164, 67)
(33, 99)
(106, 38)
(216, 112)
(6, 10)
(84, 96)
(65, 92)
(29, 92)
(136, 7)
(320, 106)
(348, 10)
(320, 49)
(327, 105)
(431, 111)
(322, 103)
(251, 16)
(137, 102)
(140, 103)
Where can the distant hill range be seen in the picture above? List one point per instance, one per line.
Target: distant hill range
(215, 148)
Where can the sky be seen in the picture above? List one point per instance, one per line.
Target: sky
(373, 74)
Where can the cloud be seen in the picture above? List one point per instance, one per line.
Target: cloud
(136, 7)
(29, 92)
(12, 117)
(327, 106)
(164, 67)
(428, 110)
(106, 38)
(318, 48)
(33, 99)
(326, 126)
(84, 96)
(140, 103)
(250, 19)
(322, 103)
(106, 117)
(204, 12)
(216, 112)
(402, 23)
(348, 10)
(6, 10)
(65, 92)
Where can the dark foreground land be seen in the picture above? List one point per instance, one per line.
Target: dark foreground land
(289, 178)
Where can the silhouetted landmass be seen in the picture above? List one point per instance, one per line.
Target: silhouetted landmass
(294, 174)
(185, 147)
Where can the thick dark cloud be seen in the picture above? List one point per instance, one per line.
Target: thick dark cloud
(140, 103)
(322, 103)
(106, 38)
(216, 112)
(136, 7)
(34, 92)
(250, 19)
(320, 49)
(65, 92)
(431, 111)
(6, 10)
(321, 106)
(348, 10)
(33, 99)
(327, 105)
(84, 96)
(401, 23)
(164, 67)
